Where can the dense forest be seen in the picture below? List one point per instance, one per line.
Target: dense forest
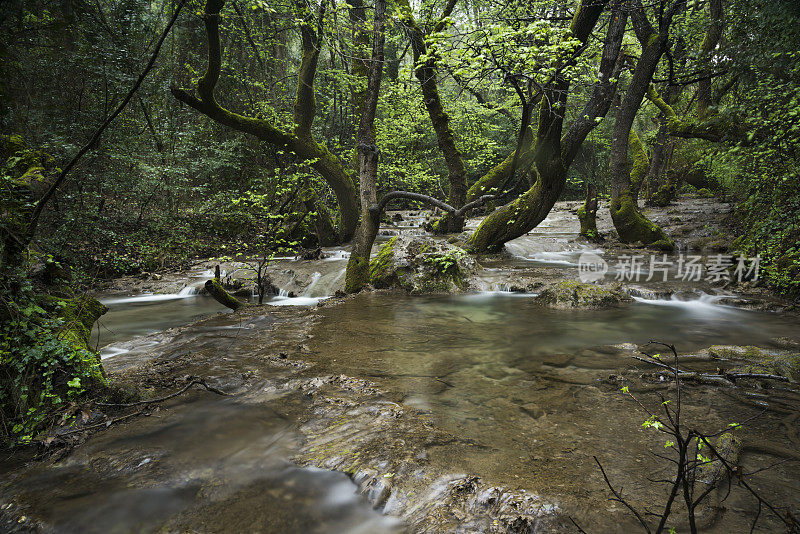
(139, 139)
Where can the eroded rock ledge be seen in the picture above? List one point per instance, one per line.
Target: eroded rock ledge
(383, 446)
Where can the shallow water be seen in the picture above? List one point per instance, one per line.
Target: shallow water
(136, 316)
(529, 385)
(531, 392)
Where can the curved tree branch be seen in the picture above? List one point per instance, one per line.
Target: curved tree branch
(300, 142)
(378, 208)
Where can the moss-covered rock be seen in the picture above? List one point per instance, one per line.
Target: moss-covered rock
(380, 267)
(574, 294)
(78, 315)
(420, 265)
(664, 195)
(750, 359)
(10, 144)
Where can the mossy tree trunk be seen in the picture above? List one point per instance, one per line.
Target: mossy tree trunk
(587, 214)
(553, 154)
(326, 233)
(632, 226)
(357, 273)
(426, 74)
(300, 141)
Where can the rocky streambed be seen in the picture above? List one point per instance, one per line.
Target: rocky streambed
(442, 413)
(470, 395)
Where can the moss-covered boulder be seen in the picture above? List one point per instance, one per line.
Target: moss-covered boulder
(574, 294)
(750, 359)
(78, 316)
(422, 265)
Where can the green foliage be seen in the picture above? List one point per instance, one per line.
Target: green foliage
(446, 264)
(45, 360)
(761, 169)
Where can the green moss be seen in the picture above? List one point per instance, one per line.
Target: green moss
(356, 274)
(10, 144)
(756, 360)
(664, 195)
(705, 193)
(574, 294)
(79, 314)
(380, 267)
(588, 224)
(634, 227)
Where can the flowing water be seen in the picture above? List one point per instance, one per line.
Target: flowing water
(536, 389)
(532, 392)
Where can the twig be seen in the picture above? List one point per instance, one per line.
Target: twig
(198, 381)
(580, 530)
(619, 498)
(103, 424)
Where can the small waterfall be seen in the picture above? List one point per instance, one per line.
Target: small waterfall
(703, 303)
(330, 288)
(501, 288)
(314, 279)
(336, 255)
(188, 291)
(282, 292)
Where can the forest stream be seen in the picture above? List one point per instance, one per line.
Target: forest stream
(385, 412)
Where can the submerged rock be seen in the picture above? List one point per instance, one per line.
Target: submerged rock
(756, 360)
(383, 447)
(574, 294)
(422, 265)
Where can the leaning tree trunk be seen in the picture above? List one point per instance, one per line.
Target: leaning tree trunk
(357, 273)
(299, 141)
(426, 74)
(632, 226)
(552, 153)
(587, 214)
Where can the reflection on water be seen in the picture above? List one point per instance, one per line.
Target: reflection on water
(525, 386)
(132, 317)
(534, 387)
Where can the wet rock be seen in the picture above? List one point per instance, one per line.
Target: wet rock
(755, 360)
(532, 409)
(573, 294)
(422, 265)
(309, 254)
(382, 446)
(647, 293)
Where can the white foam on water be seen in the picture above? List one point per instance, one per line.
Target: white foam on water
(315, 277)
(110, 351)
(295, 301)
(485, 295)
(704, 304)
(186, 292)
(336, 255)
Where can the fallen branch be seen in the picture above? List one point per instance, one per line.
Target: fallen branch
(724, 377)
(215, 289)
(103, 424)
(145, 403)
(196, 381)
